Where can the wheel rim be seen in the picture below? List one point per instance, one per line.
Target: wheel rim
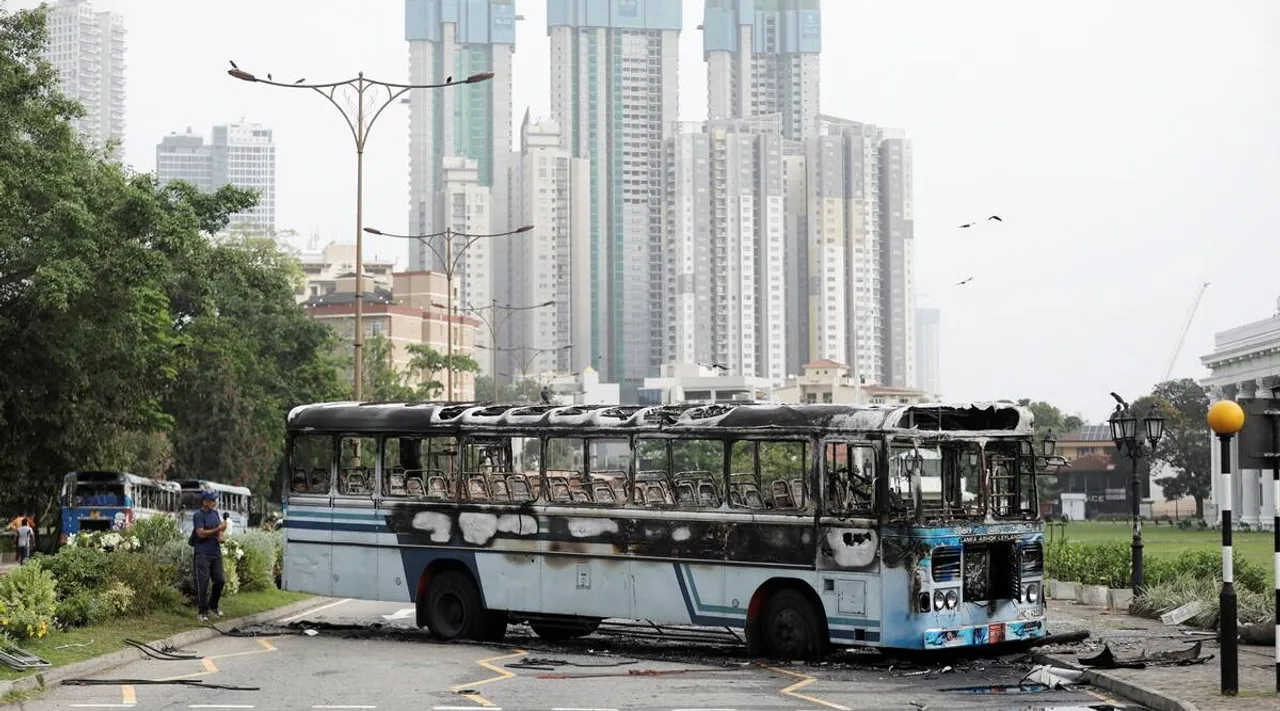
(450, 614)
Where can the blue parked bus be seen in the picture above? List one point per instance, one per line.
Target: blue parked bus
(112, 501)
(807, 526)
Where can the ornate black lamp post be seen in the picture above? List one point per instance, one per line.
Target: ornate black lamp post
(1130, 443)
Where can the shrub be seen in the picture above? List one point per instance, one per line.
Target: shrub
(257, 568)
(103, 540)
(1252, 606)
(150, 578)
(117, 598)
(1110, 564)
(179, 556)
(77, 570)
(28, 600)
(79, 610)
(154, 532)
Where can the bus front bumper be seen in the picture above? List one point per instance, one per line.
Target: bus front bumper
(991, 633)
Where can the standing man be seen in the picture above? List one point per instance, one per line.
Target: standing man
(208, 527)
(25, 534)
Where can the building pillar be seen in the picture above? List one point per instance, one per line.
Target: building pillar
(1250, 504)
(1267, 516)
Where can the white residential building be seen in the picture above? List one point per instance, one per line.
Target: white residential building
(87, 48)
(240, 154)
(465, 207)
(551, 263)
(854, 252)
(615, 91)
(725, 247)
(457, 38)
(329, 270)
(762, 59)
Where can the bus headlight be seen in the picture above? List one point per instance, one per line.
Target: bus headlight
(938, 600)
(952, 599)
(1033, 592)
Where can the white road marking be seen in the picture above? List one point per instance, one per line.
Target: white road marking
(314, 610)
(400, 614)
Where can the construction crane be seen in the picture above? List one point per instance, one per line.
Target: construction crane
(1186, 327)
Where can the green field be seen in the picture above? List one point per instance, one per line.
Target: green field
(1165, 540)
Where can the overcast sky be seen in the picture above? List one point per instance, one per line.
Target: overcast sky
(1132, 148)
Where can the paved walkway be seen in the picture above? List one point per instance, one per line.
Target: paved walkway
(1197, 684)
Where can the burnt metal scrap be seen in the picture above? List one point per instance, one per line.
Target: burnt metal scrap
(1106, 659)
(725, 418)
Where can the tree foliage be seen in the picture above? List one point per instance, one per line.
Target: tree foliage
(1048, 420)
(129, 339)
(1185, 445)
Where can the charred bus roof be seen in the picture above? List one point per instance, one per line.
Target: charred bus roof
(977, 419)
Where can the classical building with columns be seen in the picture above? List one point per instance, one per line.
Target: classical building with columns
(1245, 363)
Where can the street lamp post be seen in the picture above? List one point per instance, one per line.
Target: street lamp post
(495, 324)
(1129, 443)
(449, 260)
(1226, 418)
(365, 98)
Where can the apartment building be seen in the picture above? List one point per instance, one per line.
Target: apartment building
(87, 48)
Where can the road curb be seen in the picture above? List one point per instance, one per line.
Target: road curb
(53, 677)
(1156, 700)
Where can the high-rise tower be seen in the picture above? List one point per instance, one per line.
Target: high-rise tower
(87, 49)
(614, 91)
(762, 59)
(457, 38)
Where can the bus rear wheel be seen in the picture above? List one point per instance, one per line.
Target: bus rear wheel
(563, 629)
(453, 609)
(790, 629)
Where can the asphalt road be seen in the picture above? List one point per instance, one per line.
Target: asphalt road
(395, 667)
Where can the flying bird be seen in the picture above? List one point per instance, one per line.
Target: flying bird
(962, 282)
(997, 218)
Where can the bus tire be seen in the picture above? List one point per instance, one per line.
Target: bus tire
(453, 609)
(790, 629)
(561, 630)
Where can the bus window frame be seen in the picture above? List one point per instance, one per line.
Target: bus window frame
(808, 442)
(334, 453)
(879, 475)
(371, 483)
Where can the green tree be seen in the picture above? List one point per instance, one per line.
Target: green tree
(1048, 420)
(382, 381)
(87, 341)
(432, 367)
(1184, 446)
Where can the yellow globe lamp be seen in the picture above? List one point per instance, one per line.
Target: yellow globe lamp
(1226, 418)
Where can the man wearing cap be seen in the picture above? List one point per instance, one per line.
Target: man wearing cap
(208, 529)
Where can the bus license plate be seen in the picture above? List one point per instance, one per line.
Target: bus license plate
(995, 633)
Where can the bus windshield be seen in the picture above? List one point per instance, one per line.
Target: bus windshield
(97, 494)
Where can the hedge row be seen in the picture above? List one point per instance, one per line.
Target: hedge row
(102, 575)
(1110, 564)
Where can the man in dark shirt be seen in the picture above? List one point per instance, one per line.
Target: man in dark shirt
(208, 527)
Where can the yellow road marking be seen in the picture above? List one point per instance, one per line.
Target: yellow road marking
(211, 668)
(1100, 696)
(805, 680)
(128, 694)
(487, 664)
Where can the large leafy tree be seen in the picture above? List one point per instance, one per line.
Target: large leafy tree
(1185, 445)
(128, 338)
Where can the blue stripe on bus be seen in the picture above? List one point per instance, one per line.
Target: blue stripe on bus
(331, 526)
(704, 613)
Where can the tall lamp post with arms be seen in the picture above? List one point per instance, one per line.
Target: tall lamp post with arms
(1134, 445)
(360, 101)
(495, 321)
(449, 260)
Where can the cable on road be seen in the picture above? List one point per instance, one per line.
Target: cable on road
(196, 683)
(168, 654)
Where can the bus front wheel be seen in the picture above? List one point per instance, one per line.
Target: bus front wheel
(790, 629)
(453, 608)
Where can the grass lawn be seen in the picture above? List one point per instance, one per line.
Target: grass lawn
(1165, 540)
(109, 636)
